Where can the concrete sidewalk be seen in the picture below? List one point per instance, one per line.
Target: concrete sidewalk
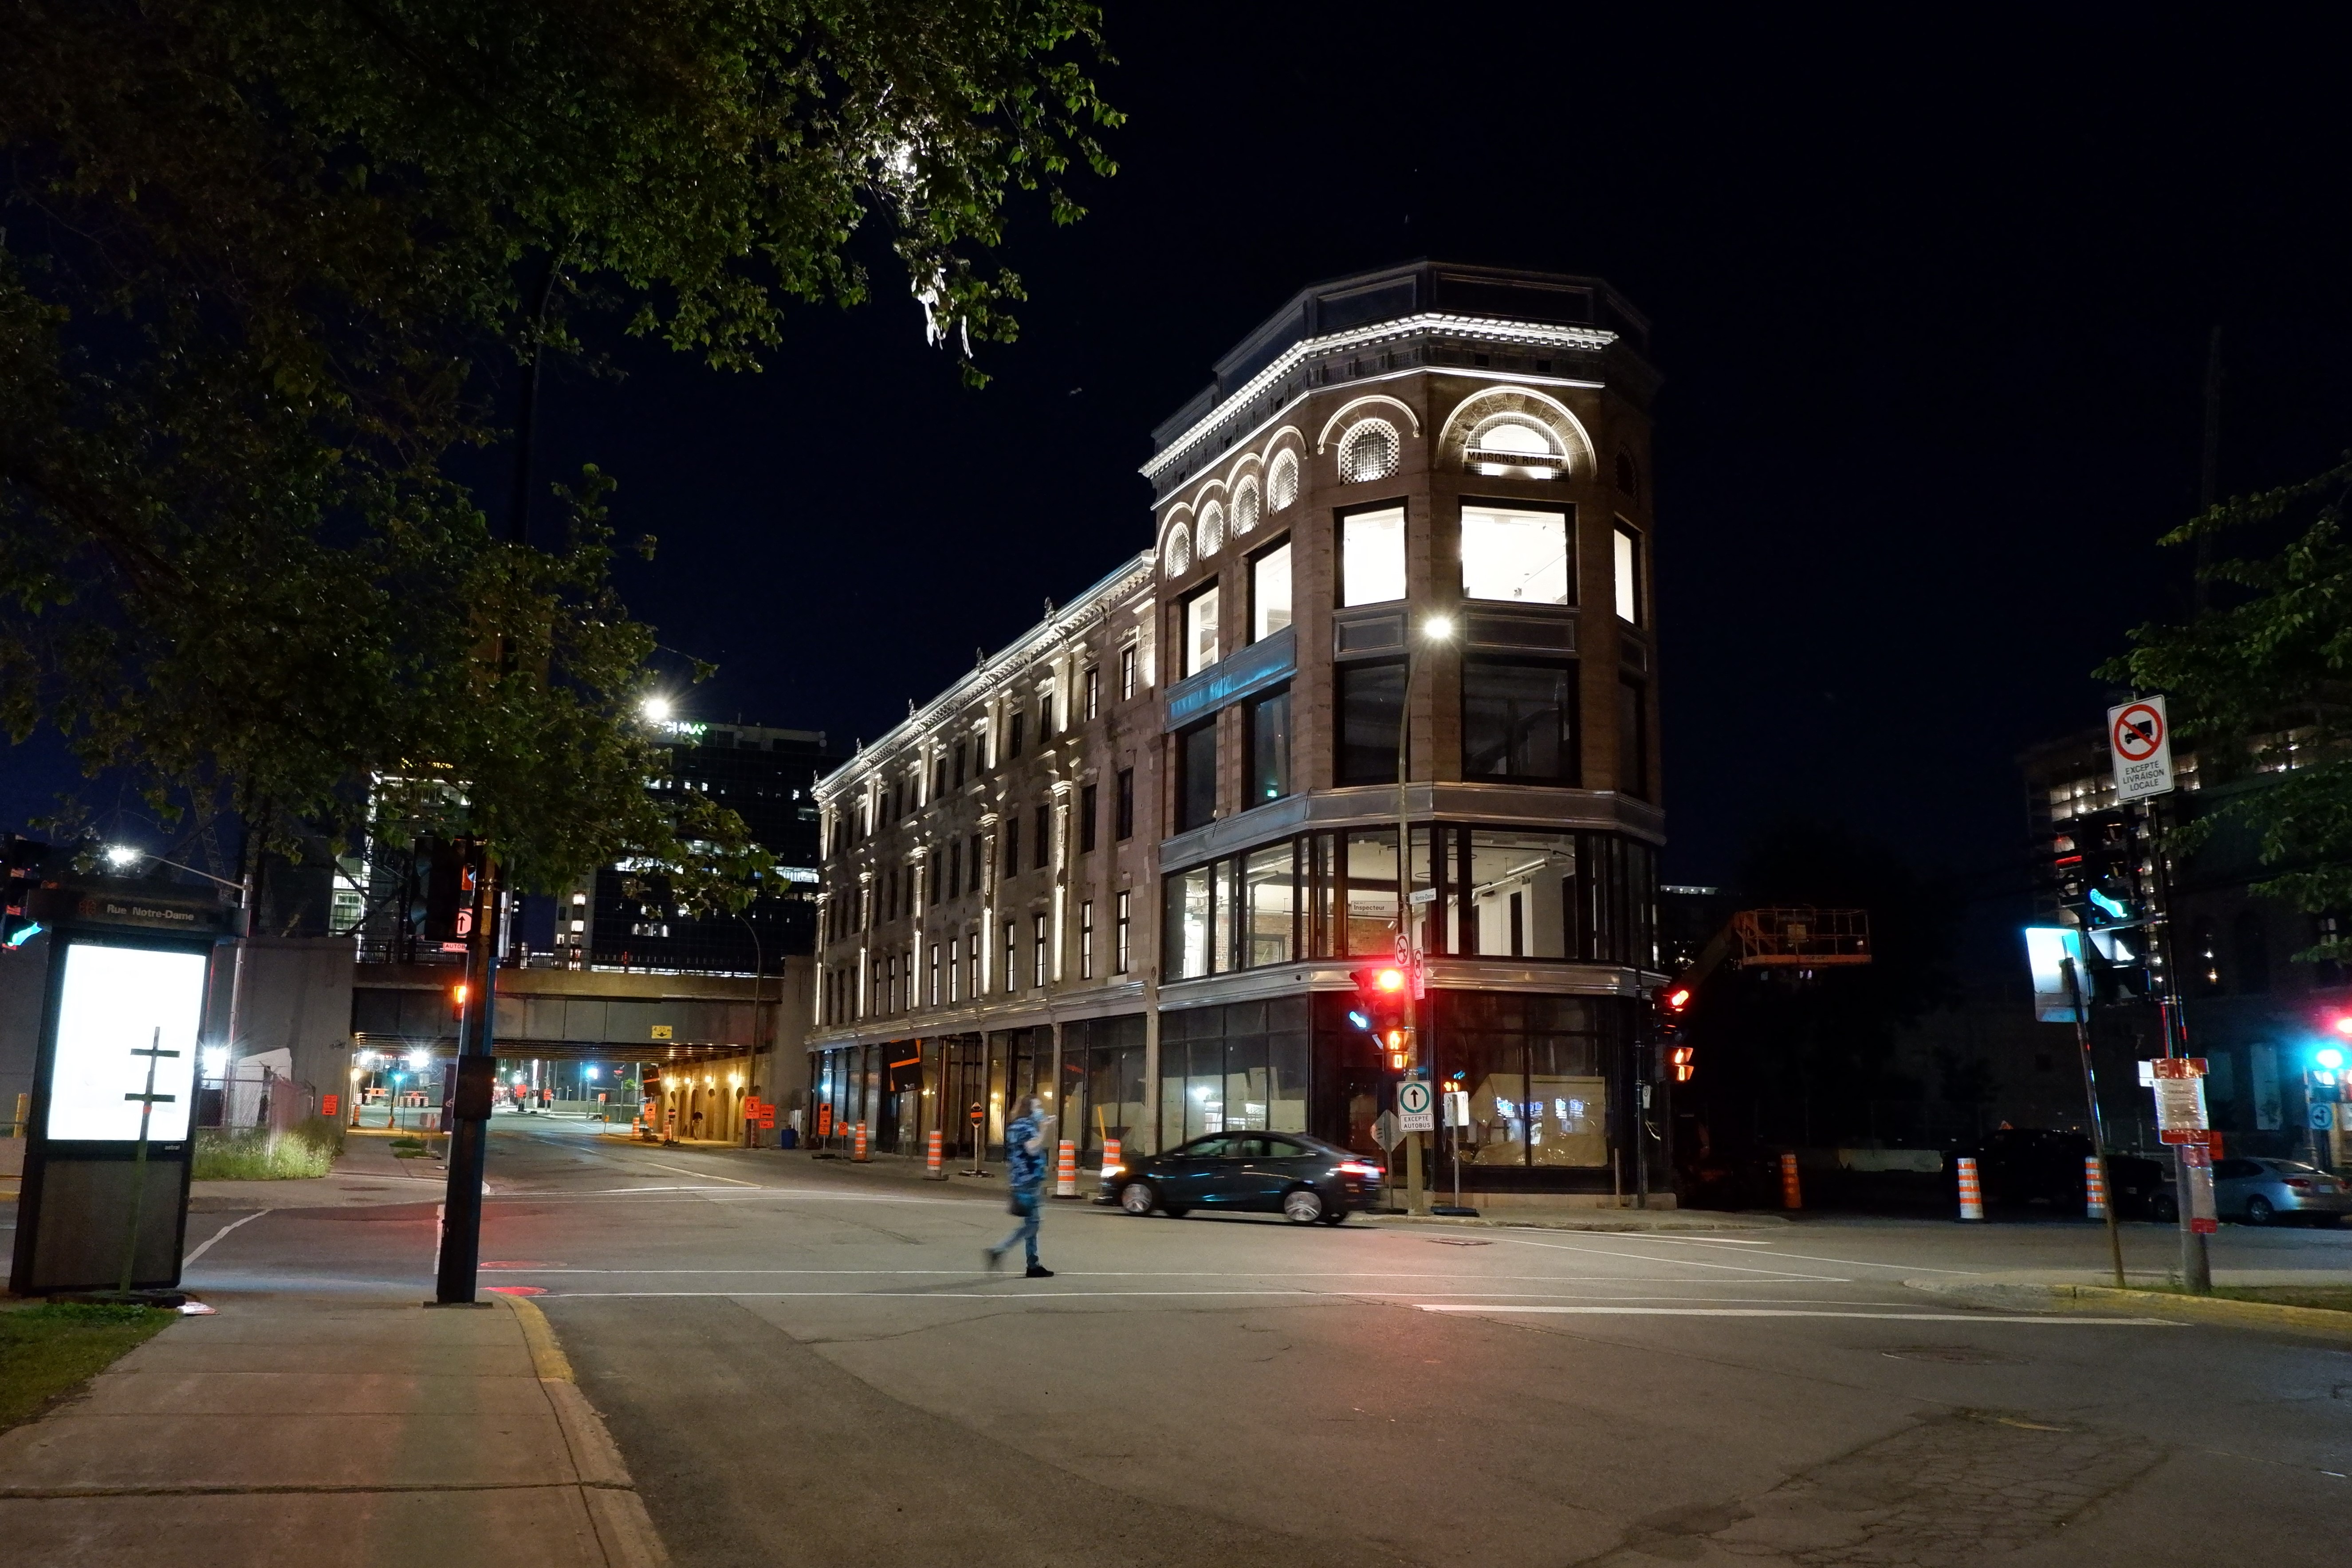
(303, 1430)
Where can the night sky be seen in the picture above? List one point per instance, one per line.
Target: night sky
(1931, 307)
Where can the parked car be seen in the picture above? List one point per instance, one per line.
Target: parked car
(1303, 1179)
(2261, 1191)
(2020, 1165)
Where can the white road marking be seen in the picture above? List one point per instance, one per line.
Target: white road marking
(205, 1246)
(1798, 1256)
(717, 1194)
(1805, 1313)
(705, 1175)
(1677, 1262)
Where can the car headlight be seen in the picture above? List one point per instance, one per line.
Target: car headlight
(1110, 1170)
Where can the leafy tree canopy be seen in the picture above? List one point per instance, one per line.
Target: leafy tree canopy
(2261, 679)
(266, 270)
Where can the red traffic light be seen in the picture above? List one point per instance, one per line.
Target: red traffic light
(1677, 998)
(1383, 1002)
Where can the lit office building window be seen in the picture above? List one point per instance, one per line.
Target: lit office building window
(1517, 557)
(1086, 940)
(1119, 955)
(1371, 557)
(1037, 951)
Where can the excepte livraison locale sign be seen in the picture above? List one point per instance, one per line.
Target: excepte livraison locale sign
(2139, 744)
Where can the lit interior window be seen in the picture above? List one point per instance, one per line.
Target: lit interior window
(1213, 530)
(1629, 577)
(1517, 556)
(1200, 631)
(1270, 592)
(1179, 550)
(1371, 557)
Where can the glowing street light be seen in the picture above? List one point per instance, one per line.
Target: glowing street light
(657, 709)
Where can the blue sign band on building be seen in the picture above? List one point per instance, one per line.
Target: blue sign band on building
(1266, 662)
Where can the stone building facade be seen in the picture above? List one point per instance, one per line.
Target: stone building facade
(1131, 862)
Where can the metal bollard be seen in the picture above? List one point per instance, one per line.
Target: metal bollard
(1792, 1194)
(933, 1170)
(860, 1154)
(1065, 1169)
(1972, 1194)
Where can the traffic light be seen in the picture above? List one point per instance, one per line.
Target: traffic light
(2095, 859)
(458, 1002)
(453, 874)
(1384, 1009)
(23, 858)
(1677, 1058)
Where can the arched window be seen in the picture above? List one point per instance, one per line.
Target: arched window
(1512, 437)
(1246, 508)
(1282, 480)
(1629, 479)
(1370, 452)
(1180, 551)
(1213, 530)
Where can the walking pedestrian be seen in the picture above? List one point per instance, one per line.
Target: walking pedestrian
(1024, 1159)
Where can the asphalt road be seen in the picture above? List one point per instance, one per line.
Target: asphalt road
(806, 1363)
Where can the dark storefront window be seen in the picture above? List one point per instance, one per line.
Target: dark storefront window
(1269, 749)
(1196, 776)
(1517, 721)
(1370, 699)
(1240, 1067)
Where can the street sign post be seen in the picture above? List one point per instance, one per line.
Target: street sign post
(1416, 1110)
(1386, 1132)
(2139, 743)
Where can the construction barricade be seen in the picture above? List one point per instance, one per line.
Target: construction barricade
(1971, 1193)
(859, 1154)
(1065, 1169)
(2094, 1188)
(934, 1156)
(1792, 1194)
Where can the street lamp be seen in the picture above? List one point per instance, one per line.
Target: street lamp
(123, 856)
(656, 709)
(1436, 631)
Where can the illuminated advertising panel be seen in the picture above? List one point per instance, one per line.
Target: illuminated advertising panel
(114, 1005)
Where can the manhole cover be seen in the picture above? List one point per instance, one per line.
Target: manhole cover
(1454, 1241)
(1955, 1355)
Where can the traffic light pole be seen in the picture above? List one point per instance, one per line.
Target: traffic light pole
(1416, 1193)
(2098, 1123)
(461, 1213)
(2196, 1261)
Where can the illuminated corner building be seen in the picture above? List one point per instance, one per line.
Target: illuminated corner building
(1428, 447)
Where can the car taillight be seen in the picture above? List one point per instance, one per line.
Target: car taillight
(2298, 1181)
(1358, 1168)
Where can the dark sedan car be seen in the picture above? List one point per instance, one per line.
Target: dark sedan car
(1303, 1179)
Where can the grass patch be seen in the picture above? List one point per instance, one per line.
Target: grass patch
(2327, 1297)
(48, 1348)
(408, 1148)
(257, 1154)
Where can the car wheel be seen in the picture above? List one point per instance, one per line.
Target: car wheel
(2258, 1210)
(1337, 1215)
(1303, 1206)
(2164, 1211)
(1137, 1198)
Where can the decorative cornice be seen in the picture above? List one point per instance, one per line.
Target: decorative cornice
(1590, 340)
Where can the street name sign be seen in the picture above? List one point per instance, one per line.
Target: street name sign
(2139, 743)
(1415, 1113)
